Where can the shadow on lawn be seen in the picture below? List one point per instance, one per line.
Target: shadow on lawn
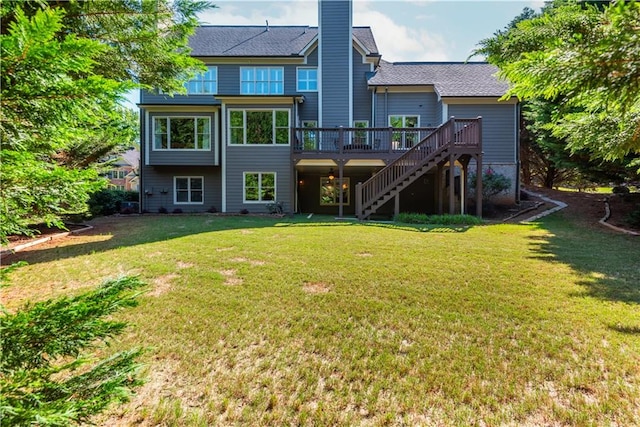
(120, 231)
(611, 261)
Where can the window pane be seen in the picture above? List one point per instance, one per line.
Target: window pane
(282, 136)
(196, 196)
(396, 121)
(259, 127)
(282, 118)
(182, 133)
(237, 136)
(411, 122)
(196, 183)
(236, 118)
(182, 196)
(182, 183)
(160, 141)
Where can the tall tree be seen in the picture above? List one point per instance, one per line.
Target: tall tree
(587, 60)
(65, 68)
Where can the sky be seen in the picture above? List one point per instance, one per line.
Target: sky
(405, 30)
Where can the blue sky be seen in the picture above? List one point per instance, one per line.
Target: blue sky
(405, 30)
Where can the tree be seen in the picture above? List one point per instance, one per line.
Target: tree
(65, 68)
(585, 59)
(45, 377)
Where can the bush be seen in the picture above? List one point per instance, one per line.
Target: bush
(163, 210)
(275, 208)
(416, 218)
(492, 183)
(44, 377)
(177, 211)
(633, 218)
(212, 209)
(109, 201)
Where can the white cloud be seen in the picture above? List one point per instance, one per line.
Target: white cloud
(397, 42)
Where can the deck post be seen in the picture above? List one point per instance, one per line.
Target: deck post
(359, 212)
(452, 181)
(440, 189)
(479, 186)
(396, 209)
(341, 191)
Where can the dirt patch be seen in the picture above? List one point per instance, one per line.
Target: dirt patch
(162, 284)
(316, 287)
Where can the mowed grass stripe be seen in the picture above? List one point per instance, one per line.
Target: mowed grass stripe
(260, 321)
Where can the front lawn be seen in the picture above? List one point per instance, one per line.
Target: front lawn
(262, 321)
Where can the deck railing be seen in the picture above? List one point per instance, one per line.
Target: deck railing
(350, 140)
(460, 133)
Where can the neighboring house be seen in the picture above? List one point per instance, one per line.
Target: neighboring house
(302, 115)
(123, 174)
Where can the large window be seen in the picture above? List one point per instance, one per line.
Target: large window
(404, 140)
(307, 80)
(259, 127)
(259, 187)
(261, 80)
(188, 190)
(182, 133)
(205, 83)
(330, 191)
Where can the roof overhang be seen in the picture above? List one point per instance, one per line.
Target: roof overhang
(402, 88)
(261, 99)
(477, 100)
(257, 60)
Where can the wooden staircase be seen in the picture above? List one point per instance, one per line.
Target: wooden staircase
(456, 136)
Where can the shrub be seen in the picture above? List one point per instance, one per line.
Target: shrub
(275, 208)
(212, 209)
(620, 189)
(44, 377)
(109, 201)
(244, 211)
(633, 217)
(163, 210)
(177, 211)
(416, 218)
(493, 183)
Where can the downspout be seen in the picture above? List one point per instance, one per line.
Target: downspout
(518, 114)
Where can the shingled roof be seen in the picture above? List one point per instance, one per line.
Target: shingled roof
(450, 79)
(262, 41)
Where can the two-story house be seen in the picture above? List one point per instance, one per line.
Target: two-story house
(314, 119)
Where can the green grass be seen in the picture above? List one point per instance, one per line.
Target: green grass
(259, 321)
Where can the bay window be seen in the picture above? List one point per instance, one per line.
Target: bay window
(181, 133)
(259, 127)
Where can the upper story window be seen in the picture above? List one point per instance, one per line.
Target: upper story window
(307, 80)
(205, 83)
(181, 133)
(259, 127)
(261, 80)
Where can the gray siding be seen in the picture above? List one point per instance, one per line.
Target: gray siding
(498, 129)
(308, 110)
(149, 98)
(183, 157)
(158, 179)
(361, 92)
(423, 104)
(335, 50)
(240, 159)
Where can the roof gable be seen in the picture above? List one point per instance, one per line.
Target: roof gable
(263, 41)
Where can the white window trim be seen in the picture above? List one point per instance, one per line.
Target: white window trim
(152, 136)
(345, 180)
(244, 129)
(404, 119)
(175, 191)
(268, 81)
(200, 78)
(298, 69)
(244, 187)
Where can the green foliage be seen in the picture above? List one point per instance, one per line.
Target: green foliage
(418, 218)
(65, 68)
(45, 376)
(492, 183)
(109, 201)
(584, 59)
